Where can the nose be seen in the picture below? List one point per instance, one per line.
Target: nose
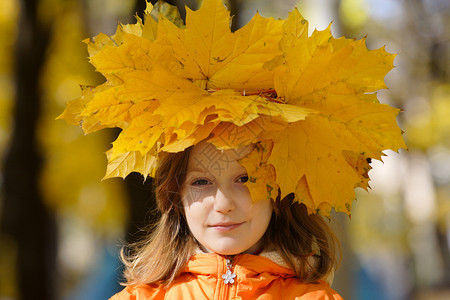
(223, 202)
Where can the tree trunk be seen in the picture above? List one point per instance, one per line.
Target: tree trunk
(25, 218)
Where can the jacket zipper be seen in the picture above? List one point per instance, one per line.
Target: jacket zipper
(228, 278)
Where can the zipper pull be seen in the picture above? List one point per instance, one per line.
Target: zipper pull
(228, 277)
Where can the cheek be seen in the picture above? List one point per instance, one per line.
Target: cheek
(263, 213)
(193, 210)
(196, 213)
(260, 212)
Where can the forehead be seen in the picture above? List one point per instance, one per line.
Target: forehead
(207, 156)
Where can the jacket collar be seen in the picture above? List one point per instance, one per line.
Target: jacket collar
(213, 264)
(268, 261)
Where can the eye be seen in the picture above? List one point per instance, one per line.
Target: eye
(201, 181)
(243, 178)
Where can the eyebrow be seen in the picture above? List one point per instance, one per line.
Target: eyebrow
(197, 170)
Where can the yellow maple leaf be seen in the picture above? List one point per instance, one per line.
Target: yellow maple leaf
(261, 181)
(133, 161)
(148, 69)
(211, 54)
(310, 99)
(323, 153)
(189, 137)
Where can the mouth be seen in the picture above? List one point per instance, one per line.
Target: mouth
(225, 226)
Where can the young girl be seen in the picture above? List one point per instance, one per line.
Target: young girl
(250, 136)
(212, 242)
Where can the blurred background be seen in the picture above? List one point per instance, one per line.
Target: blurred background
(61, 227)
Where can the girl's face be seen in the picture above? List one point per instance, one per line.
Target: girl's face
(217, 204)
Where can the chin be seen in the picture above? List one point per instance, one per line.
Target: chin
(227, 250)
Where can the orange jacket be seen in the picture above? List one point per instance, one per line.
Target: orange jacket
(257, 277)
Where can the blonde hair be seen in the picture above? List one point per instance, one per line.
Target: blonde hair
(161, 256)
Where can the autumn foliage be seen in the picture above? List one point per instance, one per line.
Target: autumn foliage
(307, 102)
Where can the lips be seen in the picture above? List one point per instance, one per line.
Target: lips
(226, 226)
